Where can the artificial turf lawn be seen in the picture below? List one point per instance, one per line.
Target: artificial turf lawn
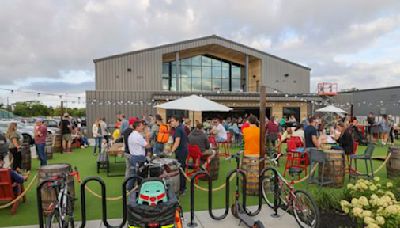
(86, 163)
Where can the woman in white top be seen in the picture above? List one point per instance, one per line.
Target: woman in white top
(219, 131)
(97, 135)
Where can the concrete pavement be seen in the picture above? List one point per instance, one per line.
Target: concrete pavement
(203, 219)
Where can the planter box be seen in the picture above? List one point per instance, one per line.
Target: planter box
(335, 219)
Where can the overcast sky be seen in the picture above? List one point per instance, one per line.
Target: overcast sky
(48, 46)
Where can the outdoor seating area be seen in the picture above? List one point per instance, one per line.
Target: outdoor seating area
(87, 166)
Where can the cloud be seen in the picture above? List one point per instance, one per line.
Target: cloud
(60, 87)
(341, 40)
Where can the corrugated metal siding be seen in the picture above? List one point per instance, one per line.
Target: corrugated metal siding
(370, 101)
(145, 72)
(297, 82)
(103, 108)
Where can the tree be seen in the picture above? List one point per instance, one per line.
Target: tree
(34, 108)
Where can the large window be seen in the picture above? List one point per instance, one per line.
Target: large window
(202, 73)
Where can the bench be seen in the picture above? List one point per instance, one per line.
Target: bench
(102, 162)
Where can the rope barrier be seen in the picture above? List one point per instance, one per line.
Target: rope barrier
(116, 198)
(383, 164)
(308, 175)
(379, 168)
(206, 189)
(21, 195)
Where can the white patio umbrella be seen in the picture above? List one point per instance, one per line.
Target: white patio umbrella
(331, 109)
(194, 103)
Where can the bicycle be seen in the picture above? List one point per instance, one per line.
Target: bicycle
(62, 209)
(237, 209)
(299, 203)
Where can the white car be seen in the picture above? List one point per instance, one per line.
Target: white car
(26, 131)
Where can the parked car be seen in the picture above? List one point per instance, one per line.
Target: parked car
(52, 125)
(26, 131)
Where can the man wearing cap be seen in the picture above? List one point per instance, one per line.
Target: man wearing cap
(125, 136)
(65, 126)
(40, 141)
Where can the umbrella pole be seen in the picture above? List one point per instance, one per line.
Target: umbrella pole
(193, 120)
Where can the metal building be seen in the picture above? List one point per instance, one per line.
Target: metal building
(213, 66)
(379, 101)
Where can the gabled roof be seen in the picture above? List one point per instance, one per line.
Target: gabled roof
(197, 39)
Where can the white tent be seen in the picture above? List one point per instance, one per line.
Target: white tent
(331, 109)
(194, 103)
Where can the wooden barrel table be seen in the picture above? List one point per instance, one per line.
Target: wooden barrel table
(47, 172)
(251, 164)
(393, 165)
(26, 156)
(214, 166)
(57, 143)
(334, 168)
(48, 148)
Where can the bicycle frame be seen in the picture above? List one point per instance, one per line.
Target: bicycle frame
(291, 196)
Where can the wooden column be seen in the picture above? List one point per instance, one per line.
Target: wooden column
(263, 102)
(246, 73)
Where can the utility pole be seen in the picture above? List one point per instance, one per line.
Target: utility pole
(263, 100)
(61, 111)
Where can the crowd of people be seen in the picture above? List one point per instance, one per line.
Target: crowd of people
(151, 135)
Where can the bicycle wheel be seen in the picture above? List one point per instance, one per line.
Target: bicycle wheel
(69, 213)
(269, 194)
(305, 210)
(268, 191)
(53, 221)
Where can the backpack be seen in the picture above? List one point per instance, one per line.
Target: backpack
(163, 134)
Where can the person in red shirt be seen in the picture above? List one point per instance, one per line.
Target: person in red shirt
(40, 141)
(245, 124)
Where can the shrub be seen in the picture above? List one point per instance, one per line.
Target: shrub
(372, 204)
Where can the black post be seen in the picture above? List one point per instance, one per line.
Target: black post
(104, 200)
(276, 188)
(39, 202)
(192, 180)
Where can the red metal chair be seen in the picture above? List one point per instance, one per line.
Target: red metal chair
(193, 162)
(213, 142)
(295, 159)
(7, 192)
(226, 146)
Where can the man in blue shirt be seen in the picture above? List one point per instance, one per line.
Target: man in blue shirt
(124, 122)
(180, 148)
(310, 134)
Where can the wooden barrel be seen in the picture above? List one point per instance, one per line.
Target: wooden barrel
(251, 164)
(26, 156)
(56, 143)
(49, 149)
(334, 168)
(214, 167)
(47, 172)
(393, 165)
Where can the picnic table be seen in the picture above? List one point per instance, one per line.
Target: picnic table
(116, 150)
